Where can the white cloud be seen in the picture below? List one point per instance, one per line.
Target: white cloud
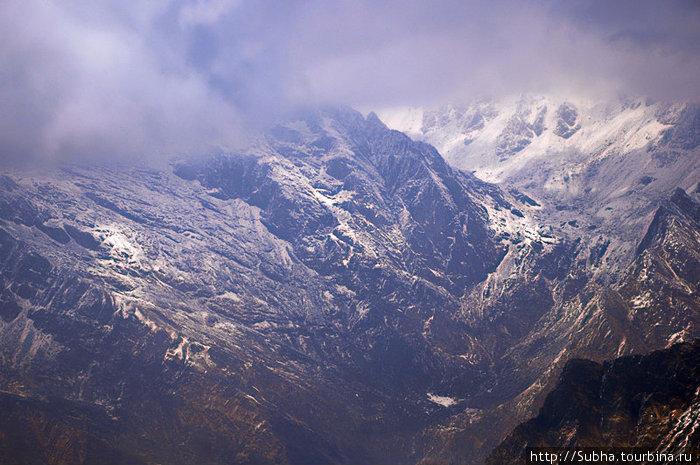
(205, 11)
(107, 79)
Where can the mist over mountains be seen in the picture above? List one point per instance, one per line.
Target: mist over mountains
(342, 233)
(103, 82)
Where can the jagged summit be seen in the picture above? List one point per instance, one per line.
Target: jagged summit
(595, 167)
(342, 175)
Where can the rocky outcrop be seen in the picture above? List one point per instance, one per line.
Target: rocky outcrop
(651, 402)
(567, 121)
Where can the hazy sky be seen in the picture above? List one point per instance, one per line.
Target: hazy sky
(127, 79)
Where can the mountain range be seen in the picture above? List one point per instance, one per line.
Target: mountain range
(342, 292)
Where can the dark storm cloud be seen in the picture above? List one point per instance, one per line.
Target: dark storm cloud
(115, 80)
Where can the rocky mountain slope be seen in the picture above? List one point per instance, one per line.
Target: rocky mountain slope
(651, 402)
(545, 315)
(336, 293)
(277, 290)
(596, 173)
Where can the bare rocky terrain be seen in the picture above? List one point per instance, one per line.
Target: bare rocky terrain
(336, 293)
(649, 402)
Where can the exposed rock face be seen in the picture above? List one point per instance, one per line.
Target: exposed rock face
(360, 177)
(567, 118)
(546, 318)
(516, 136)
(335, 294)
(650, 401)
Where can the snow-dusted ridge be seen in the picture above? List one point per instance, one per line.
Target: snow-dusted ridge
(469, 136)
(594, 166)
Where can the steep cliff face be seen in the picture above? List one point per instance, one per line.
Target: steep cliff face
(540, 320)
(335, 294)
(650, 401)
(344, 190)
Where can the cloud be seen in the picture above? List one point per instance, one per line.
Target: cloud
(99, 80)
(89, 87)
(205, 11)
